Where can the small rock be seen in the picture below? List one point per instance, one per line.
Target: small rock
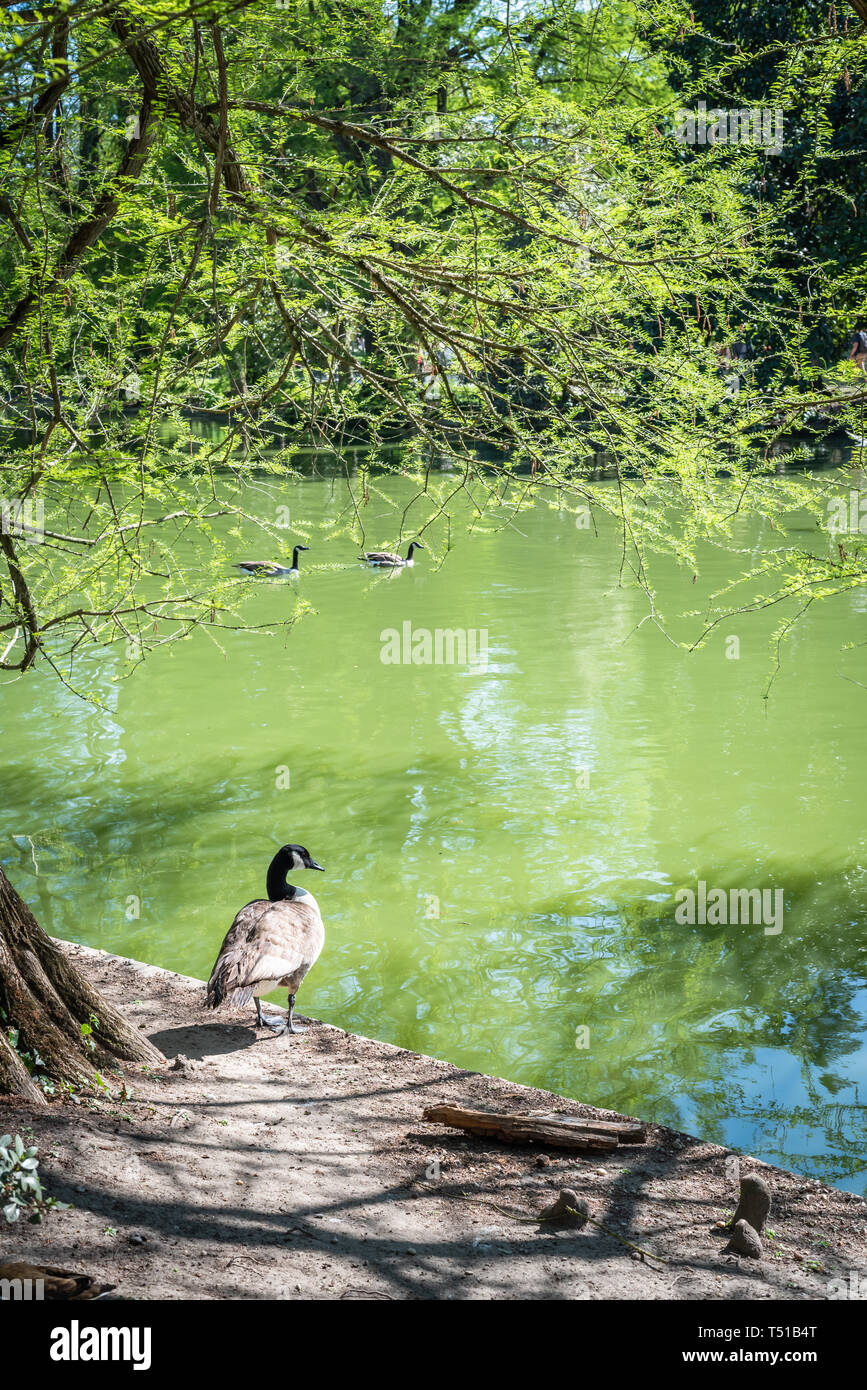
(136, 1239)
(745, 1241)
(542, 1161)
(569, 1209)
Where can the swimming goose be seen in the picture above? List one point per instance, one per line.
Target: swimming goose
(272, 942)
(270, 568)
(388, 557)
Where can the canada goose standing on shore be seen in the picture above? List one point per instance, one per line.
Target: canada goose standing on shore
(388, 559)
(272, 943)
(271, 568)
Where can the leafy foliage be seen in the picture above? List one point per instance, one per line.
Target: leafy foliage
(808, 60)
(432, 230)
(20, 1187)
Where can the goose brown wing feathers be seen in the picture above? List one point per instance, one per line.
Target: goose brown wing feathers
(267, 942)
(58, 1284)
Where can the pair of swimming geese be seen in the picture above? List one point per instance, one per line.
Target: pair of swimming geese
(271, 944)
(380, 559)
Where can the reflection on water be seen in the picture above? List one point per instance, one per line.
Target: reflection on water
(502, 845)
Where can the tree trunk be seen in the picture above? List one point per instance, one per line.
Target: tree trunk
(47, 1000)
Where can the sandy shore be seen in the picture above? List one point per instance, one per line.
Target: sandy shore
(299, 1167)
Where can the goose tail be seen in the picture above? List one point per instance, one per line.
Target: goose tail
(222, 990)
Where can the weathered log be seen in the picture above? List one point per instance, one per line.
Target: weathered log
(561, 1131)
(627, 1131)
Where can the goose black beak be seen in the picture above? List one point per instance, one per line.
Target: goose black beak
(314, 865)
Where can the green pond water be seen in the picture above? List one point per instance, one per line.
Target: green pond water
(502, 844)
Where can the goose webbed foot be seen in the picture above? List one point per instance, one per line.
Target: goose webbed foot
(272, 1021)
(275, 1024)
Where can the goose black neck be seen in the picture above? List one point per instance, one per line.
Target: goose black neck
(295, 557)
(277, 885)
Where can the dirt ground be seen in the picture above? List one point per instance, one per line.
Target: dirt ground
(299, 1167)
